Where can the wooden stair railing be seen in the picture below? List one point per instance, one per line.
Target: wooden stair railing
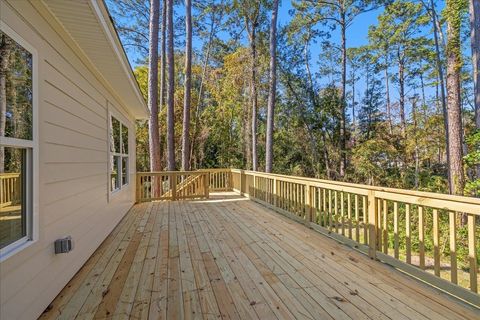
(172, 185)
(184, 184)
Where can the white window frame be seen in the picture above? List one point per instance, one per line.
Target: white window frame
(120, 155)
(32, 162)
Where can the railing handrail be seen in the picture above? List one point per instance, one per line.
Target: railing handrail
(420, 194)
(9, 175)
(169, 172)
(467, 204)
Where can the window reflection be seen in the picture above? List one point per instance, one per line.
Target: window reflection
(115, 136)
(114, 174)
(12, 197)
(124, 139)
(16, 96)
(124, 170)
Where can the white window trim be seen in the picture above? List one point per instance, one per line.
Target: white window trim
(32, 165)
(112, 114)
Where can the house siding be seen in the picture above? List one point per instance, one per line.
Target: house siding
(73, 185)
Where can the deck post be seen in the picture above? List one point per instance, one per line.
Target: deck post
(173, 181)
(138, 188)
(308, 203)
(206, 184)
(372, 224)
(472, 253)
(254, 195)
(274, 192)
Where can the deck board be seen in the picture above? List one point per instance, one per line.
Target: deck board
(231, 258)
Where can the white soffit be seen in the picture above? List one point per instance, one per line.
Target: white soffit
(89, 25)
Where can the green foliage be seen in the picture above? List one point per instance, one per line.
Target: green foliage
(472, 161)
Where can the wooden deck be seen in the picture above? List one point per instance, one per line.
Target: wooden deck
(231, 258)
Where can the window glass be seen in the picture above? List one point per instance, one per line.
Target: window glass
(114, 173)
(13, 217)
(119, 155)
(16, 86)
(124, 170)
(115, 136)
(124, 139)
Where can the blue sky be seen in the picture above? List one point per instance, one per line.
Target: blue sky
(357, 35)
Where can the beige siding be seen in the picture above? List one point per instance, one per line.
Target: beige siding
(73, 161)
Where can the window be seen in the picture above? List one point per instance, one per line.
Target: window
(17, 142)
(118, 154)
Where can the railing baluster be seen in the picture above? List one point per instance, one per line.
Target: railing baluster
(421, 237)
(453, 247)
(379, 224)
(395, 230)
(342, 218)
(372, 223)
(385, 227)
(330, 210)
(324, 207)
(365, 219)
(357, 220)
(335, 211)
(436, 243)
(408, 244)
(472, 252)
(349, 215)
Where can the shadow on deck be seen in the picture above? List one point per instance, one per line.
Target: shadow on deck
(228, 257)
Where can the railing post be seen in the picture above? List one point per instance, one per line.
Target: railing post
(472, 252)
(138, 188)
(229, 184)
(207, 184)
(173, 181)
(254, 186)
(372, 224)
(275, 192)
(308, 203)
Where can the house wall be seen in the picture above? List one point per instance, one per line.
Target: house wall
(73, 188)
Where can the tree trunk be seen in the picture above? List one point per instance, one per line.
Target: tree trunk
(163, 51)
(253, 92)
(154, 134)
(343, 133)
(200, 90)
(454, 63)
(313, 140)
(188, 85)
(416, 152)
(5, 49)
(354, 115)
(387, 97)
(439, 63)
(475, 39)
(171, 90)
(272, 88)
(401, 82)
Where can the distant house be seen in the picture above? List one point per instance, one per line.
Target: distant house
(68, 102)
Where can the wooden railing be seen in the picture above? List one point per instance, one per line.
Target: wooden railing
(220, 179)
(184, 184)
(152, 186)
(417, 232)
(10, 189)
(433, 237)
